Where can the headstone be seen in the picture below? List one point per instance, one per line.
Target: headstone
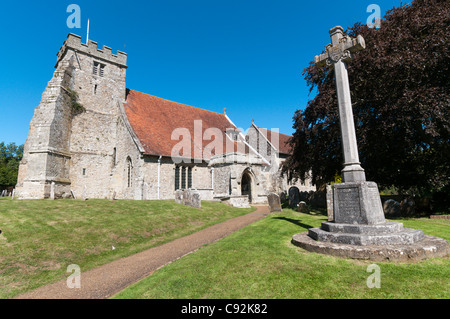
(303, 208)
(318, 199)
(179, 196)
(274, 202)
(330, 203)
(407, 207)
(66, 196)
(294, 197)
(13, 193)
(52, 191)
(391, 208)
(188, 197)
(192, 198)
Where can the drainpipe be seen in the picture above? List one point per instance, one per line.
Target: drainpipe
(159, 174)
(212, 178)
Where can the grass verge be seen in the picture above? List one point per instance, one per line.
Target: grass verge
(40, 238)
(259, 262)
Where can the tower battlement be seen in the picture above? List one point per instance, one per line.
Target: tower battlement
(73, 42)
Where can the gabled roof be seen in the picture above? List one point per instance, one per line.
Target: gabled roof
(279, 140)
(154, 119)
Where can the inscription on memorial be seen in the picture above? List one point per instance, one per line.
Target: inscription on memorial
(348, 199)
(374, 198)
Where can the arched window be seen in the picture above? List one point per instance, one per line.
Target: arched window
(129, 172)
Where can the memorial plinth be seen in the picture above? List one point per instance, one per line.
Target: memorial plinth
(359, 228)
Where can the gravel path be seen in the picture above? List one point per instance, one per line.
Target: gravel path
(106, 280)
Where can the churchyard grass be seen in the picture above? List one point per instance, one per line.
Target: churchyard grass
(41, 238)
(259, 261)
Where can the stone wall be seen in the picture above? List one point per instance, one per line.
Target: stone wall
(86, 152)
(95, 153)
(46, 150)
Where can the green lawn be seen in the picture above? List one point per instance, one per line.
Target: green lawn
(40, 238)
(259, 261)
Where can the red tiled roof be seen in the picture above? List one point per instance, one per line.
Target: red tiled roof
(283, 140)
(153, 120)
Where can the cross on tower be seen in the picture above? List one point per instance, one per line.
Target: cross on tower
(337, 54)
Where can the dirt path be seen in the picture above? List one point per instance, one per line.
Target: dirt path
(106, 280)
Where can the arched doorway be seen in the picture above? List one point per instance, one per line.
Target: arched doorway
(246, 186)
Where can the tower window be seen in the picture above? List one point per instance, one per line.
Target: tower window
(95, 68)
(98, 69)
(84, 172)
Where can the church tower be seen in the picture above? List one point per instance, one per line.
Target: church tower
(71, 140)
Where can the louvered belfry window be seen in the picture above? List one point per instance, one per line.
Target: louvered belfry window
(98, 69)
(95, 68)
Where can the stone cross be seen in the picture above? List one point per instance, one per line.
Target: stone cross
(336, 55)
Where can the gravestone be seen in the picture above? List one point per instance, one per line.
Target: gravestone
(179, 196)
(303, 208)
(294, 197)
(188, 197)
(192, 198)
(391, 208)
(274, 202)
(358, 214)
(407, 207)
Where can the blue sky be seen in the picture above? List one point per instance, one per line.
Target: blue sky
(246, 56)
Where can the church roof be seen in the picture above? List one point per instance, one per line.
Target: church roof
(154, 119)
(283, 140)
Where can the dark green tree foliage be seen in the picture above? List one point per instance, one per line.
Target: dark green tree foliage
(10, 157)
(400, 86)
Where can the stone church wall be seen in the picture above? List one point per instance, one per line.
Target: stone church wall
(94, 152)
(46, 150)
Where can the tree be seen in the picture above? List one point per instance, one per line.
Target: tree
(10, 157)
(400, 94)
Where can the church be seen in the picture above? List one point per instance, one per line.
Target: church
(92, 137)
